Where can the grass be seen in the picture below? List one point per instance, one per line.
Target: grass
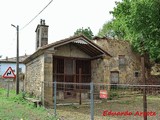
(15, 107)
(118, 103)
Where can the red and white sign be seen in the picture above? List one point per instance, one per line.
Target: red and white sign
(103, 94)
(9, 73)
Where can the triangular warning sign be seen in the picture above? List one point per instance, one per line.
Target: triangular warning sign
(9, 73)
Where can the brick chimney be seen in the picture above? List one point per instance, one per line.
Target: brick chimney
(41, 34)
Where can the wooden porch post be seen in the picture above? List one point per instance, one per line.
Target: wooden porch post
(80, 81)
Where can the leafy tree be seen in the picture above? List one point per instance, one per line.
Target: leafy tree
(139, 22)
(107, 30)
(87, 32)
(110, 30)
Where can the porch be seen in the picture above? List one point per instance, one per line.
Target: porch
(71, 70)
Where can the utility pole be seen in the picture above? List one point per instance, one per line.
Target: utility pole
(144, 81)
(17, 60)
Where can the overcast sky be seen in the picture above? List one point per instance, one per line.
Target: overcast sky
(62, 16)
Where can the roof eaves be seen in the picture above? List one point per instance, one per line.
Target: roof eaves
(98, 47)
(63, 41)
(10, 62)
(34, 55)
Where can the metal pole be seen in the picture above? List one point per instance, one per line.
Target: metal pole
(7, 88)
(55, 91)
(17, 61)
(144, 89)
(92, 101)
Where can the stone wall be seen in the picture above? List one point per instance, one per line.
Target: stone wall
(155, 69)
(48, 80)
(12, 84)
(126, 72)
(99, 72)
(38, 80)
(35, 76)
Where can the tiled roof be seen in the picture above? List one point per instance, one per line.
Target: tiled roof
(13, 59)
(91, 48)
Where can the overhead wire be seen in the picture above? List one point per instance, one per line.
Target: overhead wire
(37, 15)
(33, 19)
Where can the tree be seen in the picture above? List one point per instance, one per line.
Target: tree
(86, 32)
(107, 30)
(139, 22)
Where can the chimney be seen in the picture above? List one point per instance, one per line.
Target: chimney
(41, 34)
(25, 55)
(6, 58)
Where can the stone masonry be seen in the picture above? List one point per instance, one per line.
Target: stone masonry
(35, 76)
(103, 67)
(48, 80)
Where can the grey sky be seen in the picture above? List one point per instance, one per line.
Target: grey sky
(62, 16)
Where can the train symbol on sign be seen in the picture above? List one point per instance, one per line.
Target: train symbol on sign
(9, 73)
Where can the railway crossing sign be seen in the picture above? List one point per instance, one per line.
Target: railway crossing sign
(9, 73)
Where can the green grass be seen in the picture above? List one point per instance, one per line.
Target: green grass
(15, 107)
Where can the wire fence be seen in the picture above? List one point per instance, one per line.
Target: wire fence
(98, 101)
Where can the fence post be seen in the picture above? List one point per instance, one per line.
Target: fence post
(7, 88)
(92, 101)
(55, 91)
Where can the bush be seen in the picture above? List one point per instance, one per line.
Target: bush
(113, 95)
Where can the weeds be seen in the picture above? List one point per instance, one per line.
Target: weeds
(15, 107)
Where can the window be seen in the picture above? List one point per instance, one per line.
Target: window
(136, 74)
(122, 60)
(114, 76)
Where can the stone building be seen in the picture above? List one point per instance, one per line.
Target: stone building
(78, 60)
(124, 67)
(67, 60)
